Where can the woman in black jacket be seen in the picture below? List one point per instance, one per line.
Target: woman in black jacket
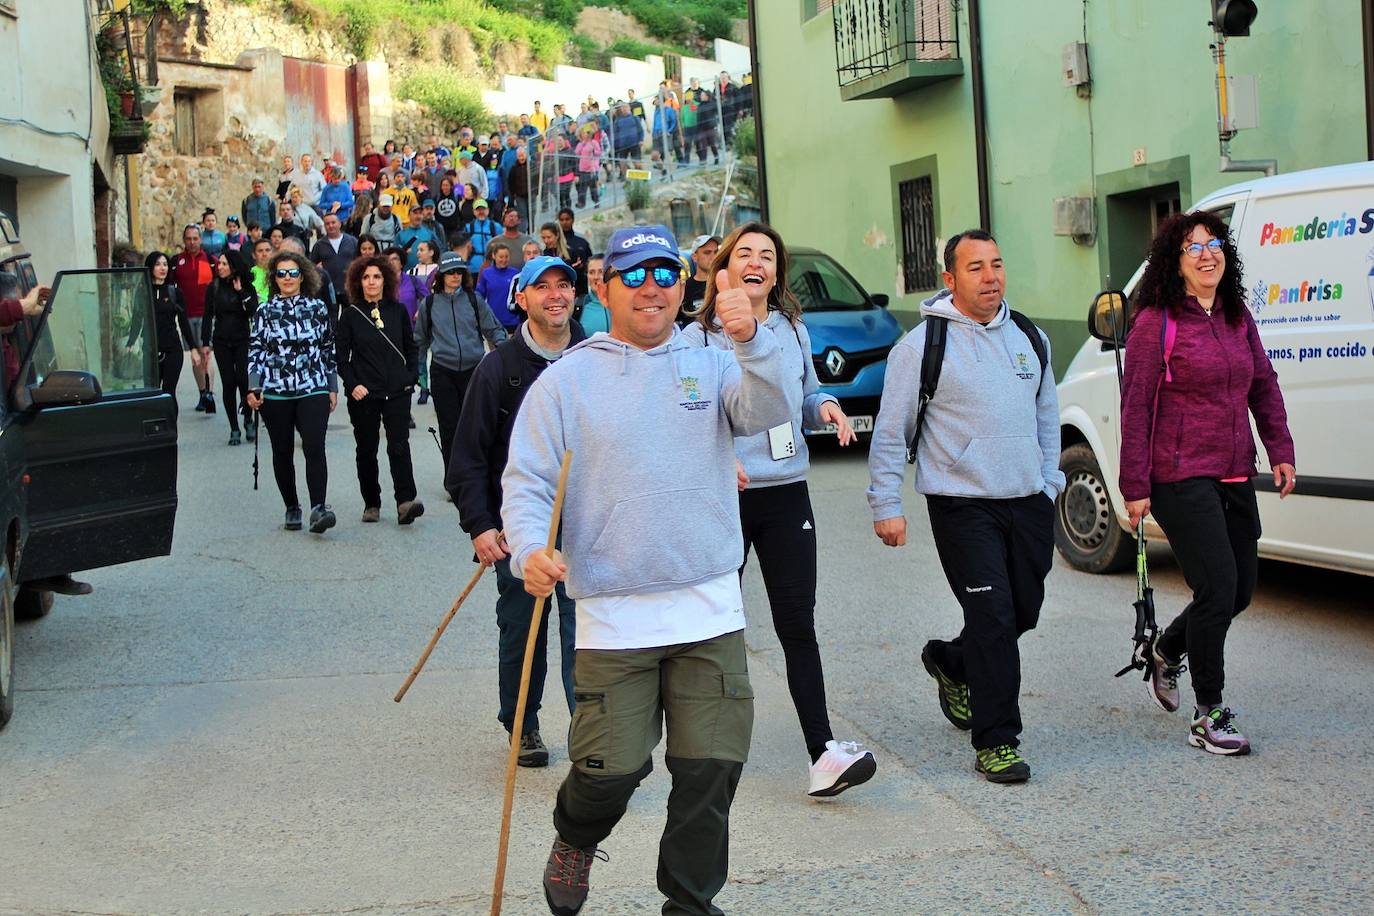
(169, 317)
(230, 304)
(379, 363)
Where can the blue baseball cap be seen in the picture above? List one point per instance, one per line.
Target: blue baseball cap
(535, 268)
(629, 248)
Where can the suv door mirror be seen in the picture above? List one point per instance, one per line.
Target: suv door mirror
(880, 300)
(1107, 317)
(66, 388)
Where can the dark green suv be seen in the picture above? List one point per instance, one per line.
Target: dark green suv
(87, 437)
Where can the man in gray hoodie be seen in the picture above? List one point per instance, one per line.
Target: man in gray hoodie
(451, 324)
(652, 561)
(988, 464)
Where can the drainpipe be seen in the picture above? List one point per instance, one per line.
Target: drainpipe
(752, 13)
(980, 115)
(1367, 20)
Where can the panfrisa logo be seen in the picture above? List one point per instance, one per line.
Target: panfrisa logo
(639, 238)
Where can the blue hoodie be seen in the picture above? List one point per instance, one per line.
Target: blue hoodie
(632, 523)
(992, 429)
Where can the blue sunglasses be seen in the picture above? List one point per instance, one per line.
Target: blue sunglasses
(665, 277)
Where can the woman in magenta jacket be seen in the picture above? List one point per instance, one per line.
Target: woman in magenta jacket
(1195, 372)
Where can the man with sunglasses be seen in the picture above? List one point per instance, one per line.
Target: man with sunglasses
(652, 563)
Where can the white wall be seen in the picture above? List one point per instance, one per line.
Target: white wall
(572, 85)
(54, 117)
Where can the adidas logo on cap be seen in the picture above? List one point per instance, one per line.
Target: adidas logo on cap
(640, 238)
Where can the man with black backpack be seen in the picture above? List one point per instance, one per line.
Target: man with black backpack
(545, 291)
(969, 398)
(451, 324)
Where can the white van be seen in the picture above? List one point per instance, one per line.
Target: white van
(1307, 244)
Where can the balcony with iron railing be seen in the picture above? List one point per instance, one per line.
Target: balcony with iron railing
(884, 48)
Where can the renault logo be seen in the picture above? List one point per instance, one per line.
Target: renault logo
(834, 362)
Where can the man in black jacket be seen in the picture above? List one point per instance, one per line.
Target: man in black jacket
(335, 252)
(579, 253)
(545, 290)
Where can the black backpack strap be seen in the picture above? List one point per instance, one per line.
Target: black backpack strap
(932, 361)
(429, 314)
(476, 313)
(512, 381)
(1033, 333)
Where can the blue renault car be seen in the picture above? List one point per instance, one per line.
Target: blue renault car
(851, 333)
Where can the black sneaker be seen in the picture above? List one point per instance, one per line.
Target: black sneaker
(209, 403)
(566, 874)
(1001, 764)
(953, 694)
(235, 437)
(293, 519)
(250, 431)
(533, 753)
(200, 405)
(321, 519)
(424, 396)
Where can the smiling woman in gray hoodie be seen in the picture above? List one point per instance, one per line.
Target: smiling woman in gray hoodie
(651, 561)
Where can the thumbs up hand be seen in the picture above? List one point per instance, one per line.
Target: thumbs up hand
(733, 309)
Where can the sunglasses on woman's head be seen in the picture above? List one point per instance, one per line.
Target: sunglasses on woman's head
(665, 277)
(284, 272)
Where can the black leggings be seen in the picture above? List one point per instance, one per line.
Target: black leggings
(169, 363)
(232, 359)
(284, 418)
(779, 525)
(1214, 529)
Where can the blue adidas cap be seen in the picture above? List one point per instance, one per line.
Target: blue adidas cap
(535, 268)
(629, 248)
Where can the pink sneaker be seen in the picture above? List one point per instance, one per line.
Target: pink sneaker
(843, 765)
(1216, 733)
(1163, 682)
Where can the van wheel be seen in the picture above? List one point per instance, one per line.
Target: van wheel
(6, 647)
(1085, 527)
(32, 603)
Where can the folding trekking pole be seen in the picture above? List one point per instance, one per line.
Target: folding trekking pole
(439, 631)
(1146, 629)
(536, 623)
(257, 436)
(435, 433)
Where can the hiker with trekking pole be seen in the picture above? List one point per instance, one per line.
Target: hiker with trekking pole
(970, 399)
(652, 560)
(545, 289)
(1195, 372)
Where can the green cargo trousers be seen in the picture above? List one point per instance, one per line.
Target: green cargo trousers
(623, 697)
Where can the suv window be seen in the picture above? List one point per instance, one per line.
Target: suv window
(100, 322)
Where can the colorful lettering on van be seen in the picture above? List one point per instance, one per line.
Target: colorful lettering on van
(1319, 228)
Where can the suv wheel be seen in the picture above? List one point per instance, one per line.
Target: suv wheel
(6, 647)
(1085, 527)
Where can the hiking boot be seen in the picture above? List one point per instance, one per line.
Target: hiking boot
(250, 431)
(533, 753)
(1216, 733)
(1001, 764)
(424, 396)
(209, 402)
(1163, 682)
(409, 511)
(372, 513)
(235, 437)
(953, 694)
(566, 874)
(844, 764)
(321, 519)
(293, 519)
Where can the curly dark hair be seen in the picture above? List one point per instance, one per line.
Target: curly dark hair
(780, 297)
(1162, 284)
(310, 279)
(354, 283)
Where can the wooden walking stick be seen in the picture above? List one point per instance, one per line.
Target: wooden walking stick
(439, 631)
(536, 622)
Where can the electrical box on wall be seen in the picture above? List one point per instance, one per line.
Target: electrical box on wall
(1073, 216)
(1242, 104)
(1075, 64)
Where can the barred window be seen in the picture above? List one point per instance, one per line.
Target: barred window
(919, 268)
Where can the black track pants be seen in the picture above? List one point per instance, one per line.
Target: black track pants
(308, 416)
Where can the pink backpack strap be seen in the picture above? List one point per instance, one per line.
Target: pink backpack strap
(1169, 333)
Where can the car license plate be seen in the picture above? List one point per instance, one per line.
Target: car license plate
(863, 424)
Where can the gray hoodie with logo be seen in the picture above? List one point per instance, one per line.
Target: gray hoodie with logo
(992, 429)
(804, 400)
(634, 522)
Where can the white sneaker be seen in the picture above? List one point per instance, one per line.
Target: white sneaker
(843, 765)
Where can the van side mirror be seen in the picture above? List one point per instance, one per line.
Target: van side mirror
(66, 388)
(1107, 317)
(880, 300)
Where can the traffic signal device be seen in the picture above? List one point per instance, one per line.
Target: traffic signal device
(1232, 18)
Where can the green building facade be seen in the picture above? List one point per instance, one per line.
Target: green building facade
(879, 171)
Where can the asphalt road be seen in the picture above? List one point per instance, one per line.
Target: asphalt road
(214, 732)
